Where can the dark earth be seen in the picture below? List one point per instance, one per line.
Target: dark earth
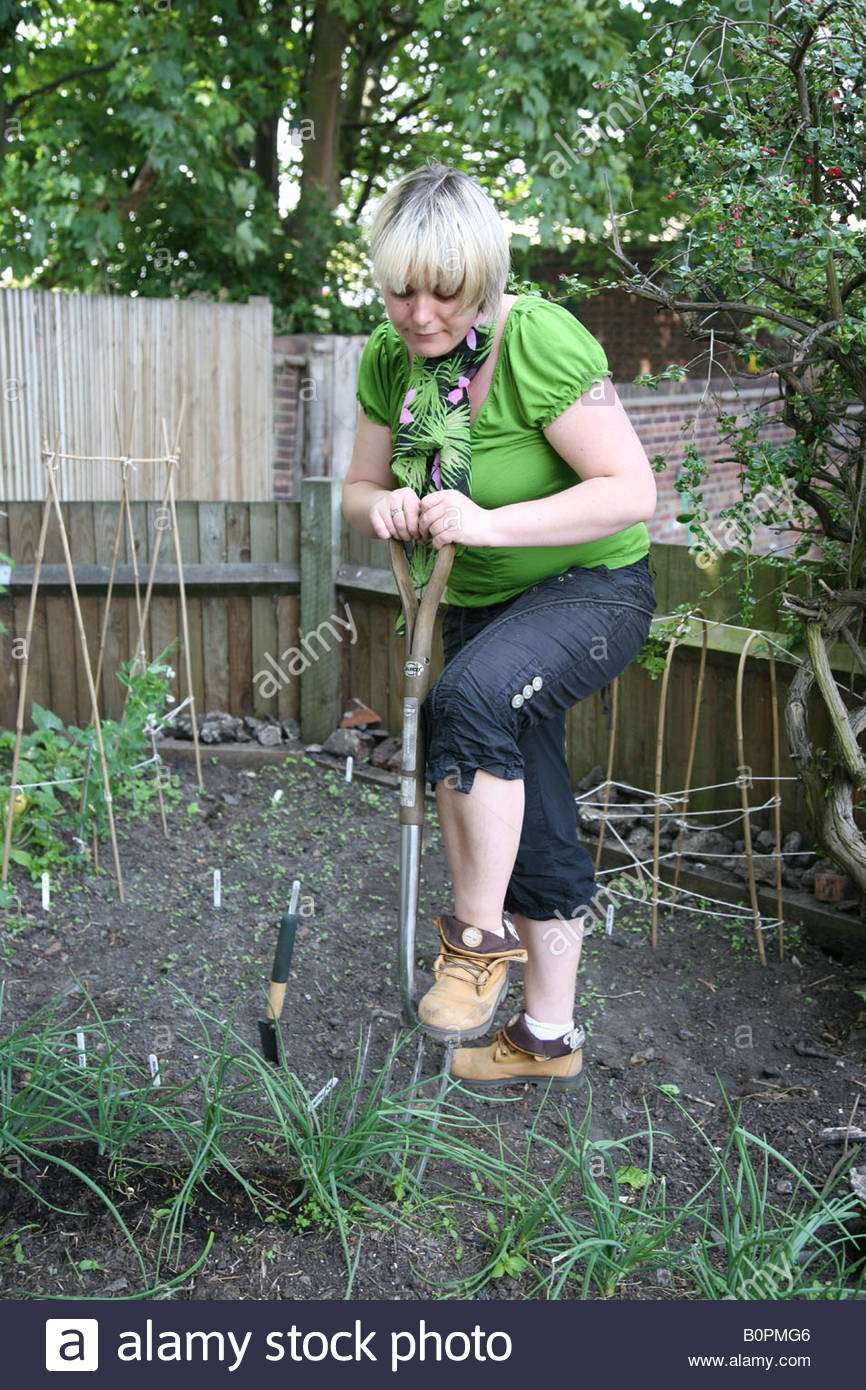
(784, 1042)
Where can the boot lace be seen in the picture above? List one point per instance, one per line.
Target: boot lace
(505, 1048)
(469, 968)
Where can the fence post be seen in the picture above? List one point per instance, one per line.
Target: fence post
(320, 557)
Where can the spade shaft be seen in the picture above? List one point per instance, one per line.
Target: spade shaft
(420, 620)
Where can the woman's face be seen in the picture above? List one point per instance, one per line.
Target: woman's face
(429, 323)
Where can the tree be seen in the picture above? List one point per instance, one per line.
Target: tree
(140, 143)
(766, 176)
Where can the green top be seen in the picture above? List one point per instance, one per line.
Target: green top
(547, 360)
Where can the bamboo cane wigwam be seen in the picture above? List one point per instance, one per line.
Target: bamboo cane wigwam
(52, 500)
(52, 458)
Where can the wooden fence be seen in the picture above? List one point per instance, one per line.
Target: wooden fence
(242, 578)
(289, 615)
(64, 356)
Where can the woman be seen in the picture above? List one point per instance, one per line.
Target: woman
(487, 420)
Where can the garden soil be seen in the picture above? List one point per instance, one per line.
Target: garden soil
(786, 1043)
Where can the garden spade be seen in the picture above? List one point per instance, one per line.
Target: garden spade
(279, 976)
(420, 619)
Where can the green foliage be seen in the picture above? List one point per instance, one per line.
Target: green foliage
(755, 133)
(756, 1248)
(59, 775)
(166, 150)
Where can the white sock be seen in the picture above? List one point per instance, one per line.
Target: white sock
(546, 1032)
(503, 928)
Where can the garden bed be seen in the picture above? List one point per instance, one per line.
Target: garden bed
(223, 1183)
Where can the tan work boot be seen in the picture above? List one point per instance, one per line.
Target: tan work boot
(516, 1055)
(471, 979)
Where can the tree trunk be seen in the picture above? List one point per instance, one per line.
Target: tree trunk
(829, 790)
(323, 105)
(265, 155)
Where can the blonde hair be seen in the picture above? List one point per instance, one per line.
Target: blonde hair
(438, 229)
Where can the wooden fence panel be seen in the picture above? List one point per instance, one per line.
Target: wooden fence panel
(288, 608)
(66, 355)
(8, 678)
(163, 628)
(329, 407)
(214, 611)
(240, 647)
(232, 623)
(187, 527)
(263, 613)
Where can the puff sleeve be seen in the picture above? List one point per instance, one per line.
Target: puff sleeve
(373, 393)
(554, 361)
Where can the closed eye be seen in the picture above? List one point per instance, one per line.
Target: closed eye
(438, 294)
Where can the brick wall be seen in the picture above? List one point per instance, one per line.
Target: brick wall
(290, 355)
(666, 421)
(637, 337)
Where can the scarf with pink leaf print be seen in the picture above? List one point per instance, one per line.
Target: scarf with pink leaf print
(432, 448)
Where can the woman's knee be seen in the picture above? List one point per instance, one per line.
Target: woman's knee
(463, 733)
(458, 697)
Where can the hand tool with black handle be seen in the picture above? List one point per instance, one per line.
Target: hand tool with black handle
(279, 976)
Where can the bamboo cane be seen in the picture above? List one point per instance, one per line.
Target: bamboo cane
(141, 652)
(660, 736)
(140, 656)
(164, 506)
(692, 745)
(173, 464)
(777, 810)
(22, 681)
(145, 613)
(747, 825)
(106, 458)
(124, 509)
(107, 609)
(64, 540)
(614, 709)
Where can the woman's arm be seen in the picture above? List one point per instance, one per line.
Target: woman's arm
(370, 490)
(597, 439)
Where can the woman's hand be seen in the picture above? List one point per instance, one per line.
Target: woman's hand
(396, 514)
(452, 518)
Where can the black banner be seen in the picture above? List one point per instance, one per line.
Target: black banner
(310, 1345)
